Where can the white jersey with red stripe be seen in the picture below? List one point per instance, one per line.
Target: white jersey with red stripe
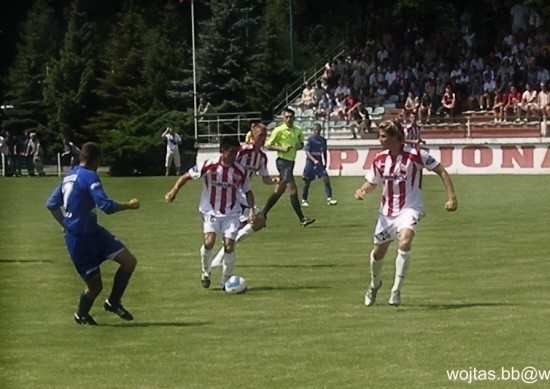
(412, 132)
(401, 177)
(254, 162)
(222, 187)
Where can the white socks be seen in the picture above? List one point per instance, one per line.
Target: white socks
(206, 258)
(402, 262)
(244, 232)
(375, 271)
(228, 265)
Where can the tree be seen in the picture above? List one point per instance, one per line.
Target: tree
(72, 77)
(28, 74)
(222, 55)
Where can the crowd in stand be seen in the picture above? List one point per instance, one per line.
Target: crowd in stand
(508, 76)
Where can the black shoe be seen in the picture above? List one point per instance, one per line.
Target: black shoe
(118, 310)
(306, 222)
(85, 320)
(205, 281)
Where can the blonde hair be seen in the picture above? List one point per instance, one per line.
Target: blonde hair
(392, 128)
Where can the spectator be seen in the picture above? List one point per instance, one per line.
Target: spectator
(487, 97)
(512, 103)
(425, 109)
(70, 149)
(448, 104)
(37, 153)
(542, 105)
(27, 154)
(324, 107)
(476, 95)
(528, 102)
(499, 102)
(308, 97)
(359, 120)
(173, 141)
(412, 103)
(205, 108)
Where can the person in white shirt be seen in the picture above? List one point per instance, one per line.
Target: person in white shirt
(528, 102)
(173, 141)
(399, 169)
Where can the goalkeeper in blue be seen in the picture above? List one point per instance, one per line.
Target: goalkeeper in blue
(316, 159)
(72, 204)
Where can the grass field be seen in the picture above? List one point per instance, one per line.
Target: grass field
(476, 296)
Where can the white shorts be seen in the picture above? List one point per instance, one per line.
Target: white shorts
(173, 157)
(226, 225)
(388, 228)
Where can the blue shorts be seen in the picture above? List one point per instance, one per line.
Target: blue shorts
(286, 170)
(88, 251)
(311, 171)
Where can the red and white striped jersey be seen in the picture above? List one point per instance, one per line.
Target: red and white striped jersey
(401, 177)
(412, 132)
(253, 161)
(222, 185)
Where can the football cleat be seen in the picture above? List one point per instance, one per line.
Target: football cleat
(306, 222)
(370, 296)
(84, 320)
(205, 281)
(118, 310)
(305, 203)
(395, 298)
(331, 201)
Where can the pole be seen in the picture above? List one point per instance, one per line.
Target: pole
(291, 37)
(59, 167)
(194, 69)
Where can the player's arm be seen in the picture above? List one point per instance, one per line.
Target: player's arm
(54, 203)
(364, 189)
(172, 193)
(452, 203)
(108, 205)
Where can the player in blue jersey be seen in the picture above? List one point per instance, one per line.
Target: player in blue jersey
(316, 159)
(72, 204)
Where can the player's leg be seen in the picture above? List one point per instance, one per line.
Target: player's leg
(406, 224)
(328, 188)
(229, 227)
(305, 192)
(206, 253)
(279, 188)
(168, 163)
(177, 162)
(94, 286)
(384, 234)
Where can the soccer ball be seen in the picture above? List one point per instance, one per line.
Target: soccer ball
(235, 285)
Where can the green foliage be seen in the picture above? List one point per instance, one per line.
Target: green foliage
(136, 147)
(28, 74)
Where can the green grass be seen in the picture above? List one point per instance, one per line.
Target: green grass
(476, 295)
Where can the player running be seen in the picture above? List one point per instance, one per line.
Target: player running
(399, 169)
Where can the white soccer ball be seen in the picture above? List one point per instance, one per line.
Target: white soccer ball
(235, 285)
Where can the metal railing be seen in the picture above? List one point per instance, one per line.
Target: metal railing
(215, 125)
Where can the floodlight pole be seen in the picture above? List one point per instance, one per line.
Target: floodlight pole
(194, 69)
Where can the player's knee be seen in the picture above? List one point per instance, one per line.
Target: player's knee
(229, 248)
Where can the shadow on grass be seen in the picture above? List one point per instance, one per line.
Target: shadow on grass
(459, 306)
(270, 288)
(4, 260)
(156, 324)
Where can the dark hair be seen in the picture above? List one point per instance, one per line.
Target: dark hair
(90, 152)
(289, 110)
(228, 142)
(392, 128)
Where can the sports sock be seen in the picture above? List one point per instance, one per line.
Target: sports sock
(120, 283)
(227, 266)
(296, 206)
(375, 271)
(217, 260)
(271, 201)
(305, 191)
(247, 230)
(84, 305)
(328, 191)
(206, 259)
(402, 262)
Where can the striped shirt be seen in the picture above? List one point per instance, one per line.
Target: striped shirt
(253, 161)
(401, 177)
(222, 186)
